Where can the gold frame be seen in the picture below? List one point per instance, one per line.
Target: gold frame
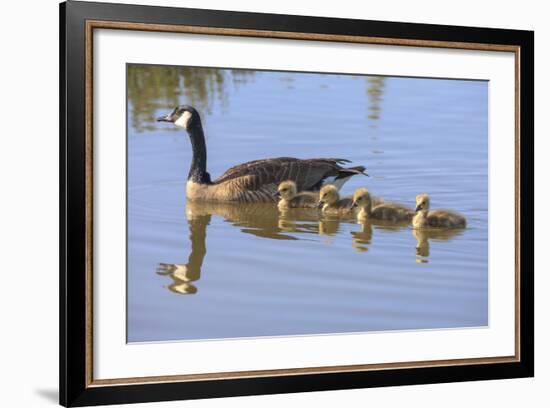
(99, 24)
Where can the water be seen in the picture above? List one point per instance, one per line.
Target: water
(209, 271)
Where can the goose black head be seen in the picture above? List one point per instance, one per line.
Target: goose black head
(183, 116)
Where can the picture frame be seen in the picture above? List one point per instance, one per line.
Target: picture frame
(79, 20)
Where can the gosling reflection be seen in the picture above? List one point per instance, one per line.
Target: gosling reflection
(298, 220)
(329, 226)
(184, 274)
(423, 238)
(361, 239)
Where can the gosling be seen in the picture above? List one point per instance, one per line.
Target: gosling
(290, 198)
(330, 202)
(381, 211)
(425, 218)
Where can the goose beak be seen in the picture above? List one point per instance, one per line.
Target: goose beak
(165, 118)
(354, 205)
(277, 194)
(320, 204)
(418, 208)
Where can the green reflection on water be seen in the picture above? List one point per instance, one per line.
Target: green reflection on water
(152, 87)
(375, 92)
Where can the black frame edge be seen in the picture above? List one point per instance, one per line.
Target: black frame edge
(62, 207)
(72, 387)
(72, 220)
(527, 196)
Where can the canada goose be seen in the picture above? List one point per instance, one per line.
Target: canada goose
(425, 218)
(382, 211)
(254, 181)
(290, 198)
(330, 202)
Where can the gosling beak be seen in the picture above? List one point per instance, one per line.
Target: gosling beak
(277, 194)
(320, 204)
(418, 208)
(354, 205)
(165, 118)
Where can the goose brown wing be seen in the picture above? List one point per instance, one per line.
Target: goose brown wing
(307, 174)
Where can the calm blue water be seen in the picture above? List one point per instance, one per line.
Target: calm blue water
(224, 271)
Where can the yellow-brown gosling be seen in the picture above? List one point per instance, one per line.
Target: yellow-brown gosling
(255, 181)
(330, 202)
(289, 197)
(382, 211)
(424, 218)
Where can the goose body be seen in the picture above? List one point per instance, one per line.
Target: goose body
(291, 198)
(424, 218)
(379, 210)
(331, 203)
(254, 181)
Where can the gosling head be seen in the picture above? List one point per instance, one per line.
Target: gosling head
(183, 116)
(422, 202)
(361, 198)
(287, 190)
(328, 195)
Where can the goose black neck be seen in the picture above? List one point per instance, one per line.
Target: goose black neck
(197, 172)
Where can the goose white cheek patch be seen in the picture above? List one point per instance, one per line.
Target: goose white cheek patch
(183, 120)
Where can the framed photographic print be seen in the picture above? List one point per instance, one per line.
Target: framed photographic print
(255, 203)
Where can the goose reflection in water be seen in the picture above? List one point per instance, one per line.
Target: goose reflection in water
(261, 220)
(266, 221)
(184, 274)
(423, 237)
